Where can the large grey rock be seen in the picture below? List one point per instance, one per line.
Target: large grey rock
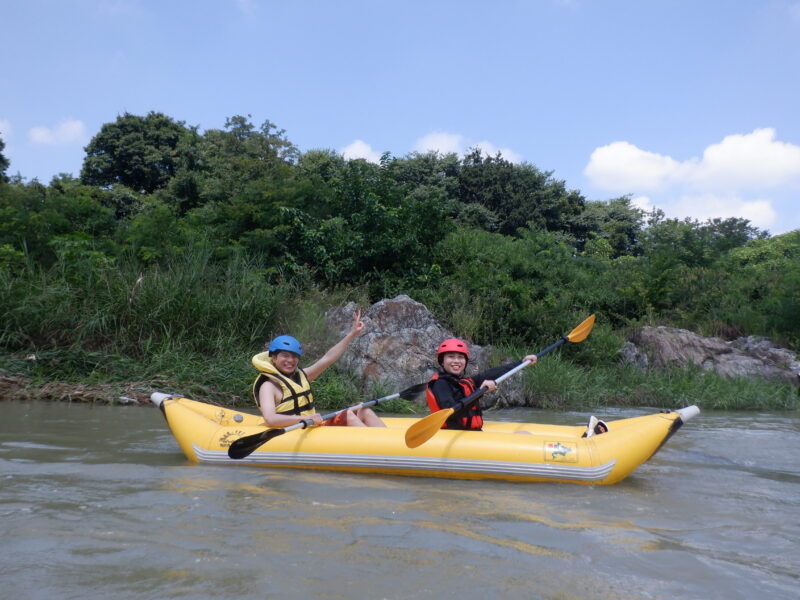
(744, 357)
(397, 348)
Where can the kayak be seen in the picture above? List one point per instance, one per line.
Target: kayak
(556, 453)
(547, 453)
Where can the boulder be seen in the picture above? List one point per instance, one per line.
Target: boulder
(744, 357)
(397, 348)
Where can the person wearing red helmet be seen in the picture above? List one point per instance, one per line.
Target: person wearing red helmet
(450, 385)
(282, 389)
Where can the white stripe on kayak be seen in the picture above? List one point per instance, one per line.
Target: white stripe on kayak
(411, 463)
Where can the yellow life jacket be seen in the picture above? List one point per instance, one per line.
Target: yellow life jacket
(297, 397)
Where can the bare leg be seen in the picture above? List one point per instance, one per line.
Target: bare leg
(369, 418)
(353, 420)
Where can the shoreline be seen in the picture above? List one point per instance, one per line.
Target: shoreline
(20, 388)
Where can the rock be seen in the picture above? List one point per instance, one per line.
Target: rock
(397, 348)
(630, 354)
(743, 357)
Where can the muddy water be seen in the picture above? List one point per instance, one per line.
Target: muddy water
(98, 502)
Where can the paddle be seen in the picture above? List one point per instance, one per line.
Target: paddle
(424, 429)
(245, 446)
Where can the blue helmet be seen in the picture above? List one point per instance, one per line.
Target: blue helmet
(286, 342)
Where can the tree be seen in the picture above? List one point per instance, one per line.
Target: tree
(616, 222)
(243, 159)
(32, 215)
(696, 244)
(138, 152)
(517, 194)
(4, 163)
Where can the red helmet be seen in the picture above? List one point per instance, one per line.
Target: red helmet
(452, 345)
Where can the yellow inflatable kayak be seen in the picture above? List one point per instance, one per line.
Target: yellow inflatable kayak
(548, 453)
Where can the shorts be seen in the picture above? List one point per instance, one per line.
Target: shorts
(339, 420)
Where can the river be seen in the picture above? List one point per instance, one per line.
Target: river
(98, 502)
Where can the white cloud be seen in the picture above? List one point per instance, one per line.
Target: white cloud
(622, 166)
(643, 203)
(753, 160)
(759, 212)
(731, 179)
(441, 142)
(437, 141)
(361, 149)
(68, 131)
(489, 149)
(5, 129)
(447, 143)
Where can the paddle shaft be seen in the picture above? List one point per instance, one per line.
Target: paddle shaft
(309, 422)
(424, 429)
(476, 395)
(245, 446)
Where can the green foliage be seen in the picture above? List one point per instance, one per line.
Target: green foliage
(4, 163)
(696, 244)
(335, 391)
(518, 194)
(137, 152)
(153, 233)
(178, 253)
(609, 229)
(32, 215)
(493, 287)
(761, 296)
(561, 384)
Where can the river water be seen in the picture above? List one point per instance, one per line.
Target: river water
(98, 502)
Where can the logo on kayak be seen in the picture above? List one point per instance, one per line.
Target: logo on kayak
(226, 439)
(561, 451)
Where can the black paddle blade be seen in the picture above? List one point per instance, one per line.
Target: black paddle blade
(413, 391)
(245, 446)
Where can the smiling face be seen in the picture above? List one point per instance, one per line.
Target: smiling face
(454, 363)
(285, 361)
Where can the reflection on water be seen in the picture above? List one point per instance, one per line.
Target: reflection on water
(98, 502)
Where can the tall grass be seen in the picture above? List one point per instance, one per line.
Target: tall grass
(561, 384)
(192, 325)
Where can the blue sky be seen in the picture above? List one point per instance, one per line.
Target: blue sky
(691, 106)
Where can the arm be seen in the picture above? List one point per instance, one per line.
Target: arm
(486, 378)
(269, 396)
(332, 355)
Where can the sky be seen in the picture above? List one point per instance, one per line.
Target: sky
(691, 107)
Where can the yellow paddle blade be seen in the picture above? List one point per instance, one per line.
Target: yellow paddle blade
(424, 429)
(581, 332)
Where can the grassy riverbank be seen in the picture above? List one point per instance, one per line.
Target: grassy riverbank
(113, 331)
(554, 383)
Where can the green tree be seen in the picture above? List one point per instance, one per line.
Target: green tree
(367, 230)
(4, 162)
(518, 194)
(493, 287)
(138, 152)
(762, 291)
(241, 155)
(616, 222)
(437, 173)
(693, 243)
(32, 215)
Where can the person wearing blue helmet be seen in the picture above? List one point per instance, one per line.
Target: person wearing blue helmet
(282, 389)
